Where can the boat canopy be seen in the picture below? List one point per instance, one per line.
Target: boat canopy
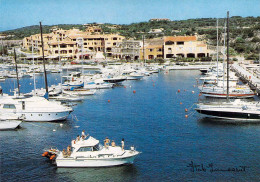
(90, 142)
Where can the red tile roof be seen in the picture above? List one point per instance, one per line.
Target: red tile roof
(180, 38)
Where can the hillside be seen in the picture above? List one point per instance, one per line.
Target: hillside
(244, 31)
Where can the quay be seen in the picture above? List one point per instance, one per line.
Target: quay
(248, 76)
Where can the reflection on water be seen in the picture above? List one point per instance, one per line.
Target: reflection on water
(120, 173)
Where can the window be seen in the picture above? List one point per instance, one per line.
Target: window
(85, 149)
(180, 43)
(169, 49)
(151, 50)
(9, 106)
(70, 51)
(114, 43)
(114, 38)
(96, 148)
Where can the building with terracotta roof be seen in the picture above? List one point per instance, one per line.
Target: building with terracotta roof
(66, 43)
(184, 46)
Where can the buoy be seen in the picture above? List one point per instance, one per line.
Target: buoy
(181, 103)
(124, 86)
(153, 84)
(52, 157)
(184, 90)
(186, 110)
(193, 92)
(45, 154)
(30, 83)
(134, 91)
(199, 95)
(61, 125)
(108, 100)
(179, 90)
(186, 116)
(194, 86)
(53, 130)
(130, 86)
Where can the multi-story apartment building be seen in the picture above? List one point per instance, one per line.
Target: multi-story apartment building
(73, 43)
(184, 46)
(127, 49)
(151, 52)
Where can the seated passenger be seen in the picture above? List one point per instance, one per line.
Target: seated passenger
(113, 144)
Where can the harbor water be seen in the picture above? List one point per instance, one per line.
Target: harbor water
(174, 148)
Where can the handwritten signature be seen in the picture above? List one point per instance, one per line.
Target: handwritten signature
(211, 168)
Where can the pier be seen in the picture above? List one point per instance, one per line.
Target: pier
(248, 76)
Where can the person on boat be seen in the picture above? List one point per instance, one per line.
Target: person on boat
(83, 135)
(113, 144)
(64, 153)
(69, 150)
(78, 138)
(106, 142)
(123, 143)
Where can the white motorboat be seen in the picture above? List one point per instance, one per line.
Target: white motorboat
(90, 153)
(80, 92)
(9, 121)
(98, 84)
(34, 108)
(67, 98)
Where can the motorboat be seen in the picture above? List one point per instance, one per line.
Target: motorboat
(9, 121)
(34, 108)
(90, 153)
(233, 111)
(67, 98)
(116, 79)
(79, 91)
(98, 84)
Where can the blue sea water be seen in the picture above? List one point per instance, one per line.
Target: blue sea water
(174, 148)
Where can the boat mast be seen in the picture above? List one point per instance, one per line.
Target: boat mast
(224, 52)
(43, 60)
(228, 56)
(34, 83)
(217, 52)
(58, 37)
(16, 69)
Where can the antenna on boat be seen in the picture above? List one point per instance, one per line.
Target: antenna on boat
(16, 69)
(228, 56)
(43, 60)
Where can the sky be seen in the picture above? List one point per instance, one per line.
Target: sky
(21, 13)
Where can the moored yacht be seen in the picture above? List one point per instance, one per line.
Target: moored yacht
(34, 108)
(237, 111)
(9, 121)
(90, 153)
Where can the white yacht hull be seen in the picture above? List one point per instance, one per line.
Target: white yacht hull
(9, 124)
(94, 162)
(45, 116)
(134, 77)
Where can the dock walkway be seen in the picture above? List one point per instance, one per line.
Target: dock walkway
(246, 75)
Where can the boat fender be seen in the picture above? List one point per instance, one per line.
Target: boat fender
(52, 157)
(45, 154)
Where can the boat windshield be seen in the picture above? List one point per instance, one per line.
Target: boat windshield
(96, 147)
(84, 149)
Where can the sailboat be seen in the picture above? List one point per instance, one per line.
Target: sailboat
(219, 91)
(236, 111)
